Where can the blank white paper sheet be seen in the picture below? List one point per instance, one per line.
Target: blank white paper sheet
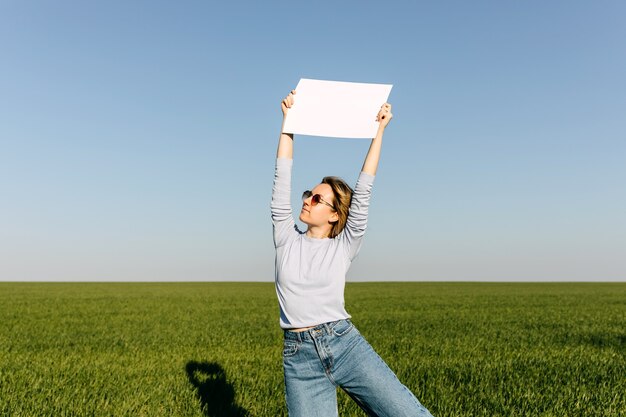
(336, 109)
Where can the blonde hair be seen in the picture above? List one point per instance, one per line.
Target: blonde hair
(342, 194)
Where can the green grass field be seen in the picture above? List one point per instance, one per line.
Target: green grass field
(214, 349)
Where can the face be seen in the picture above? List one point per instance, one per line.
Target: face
(319, 214)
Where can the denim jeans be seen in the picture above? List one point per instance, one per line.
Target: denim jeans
(334, 354)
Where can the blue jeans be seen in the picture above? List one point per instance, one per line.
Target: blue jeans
(334, 354)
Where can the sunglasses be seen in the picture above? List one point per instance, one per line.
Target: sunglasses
(316, 199)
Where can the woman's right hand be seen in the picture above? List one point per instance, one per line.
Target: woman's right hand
(287, 103)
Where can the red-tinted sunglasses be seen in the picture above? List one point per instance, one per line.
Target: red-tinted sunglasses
(316, 199)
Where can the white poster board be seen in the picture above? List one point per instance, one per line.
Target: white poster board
(336, 108)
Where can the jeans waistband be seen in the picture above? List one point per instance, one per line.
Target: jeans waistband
(319, 330)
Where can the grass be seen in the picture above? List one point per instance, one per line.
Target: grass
(214, 349)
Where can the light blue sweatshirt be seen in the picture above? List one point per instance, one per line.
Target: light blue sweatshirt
(311, 273)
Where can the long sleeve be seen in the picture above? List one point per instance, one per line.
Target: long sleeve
(282, 218)
(356, 223)
(311, 273)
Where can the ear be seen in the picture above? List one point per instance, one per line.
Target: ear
(334, 218)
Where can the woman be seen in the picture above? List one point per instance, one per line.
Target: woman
(322, 348)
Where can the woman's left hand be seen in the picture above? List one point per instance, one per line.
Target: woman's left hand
(384, 115)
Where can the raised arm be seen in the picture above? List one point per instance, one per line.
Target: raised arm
(373, 155)
(282, 219)
(285, 142)
(359, 207)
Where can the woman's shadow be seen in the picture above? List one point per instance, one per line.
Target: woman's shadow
(216, 395)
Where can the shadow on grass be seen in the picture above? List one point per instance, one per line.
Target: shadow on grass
(216, 395)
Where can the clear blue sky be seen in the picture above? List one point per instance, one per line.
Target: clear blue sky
(137, 139)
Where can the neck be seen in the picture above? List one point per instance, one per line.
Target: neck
(318, 232)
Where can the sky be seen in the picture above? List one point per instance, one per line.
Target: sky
(138, 139)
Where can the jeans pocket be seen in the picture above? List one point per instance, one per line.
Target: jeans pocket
(290, 348)
(342, 327)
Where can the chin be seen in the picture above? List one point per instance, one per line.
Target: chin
(303, 218)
